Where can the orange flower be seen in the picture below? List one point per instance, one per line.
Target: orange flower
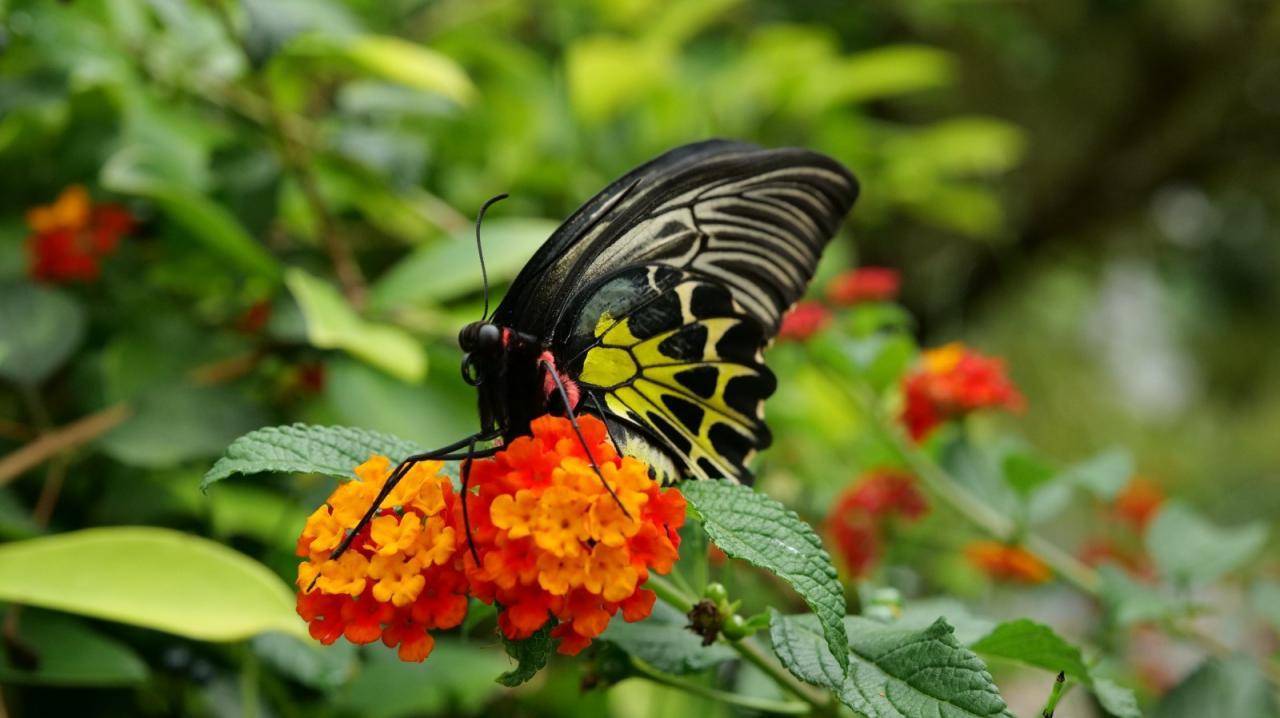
(857, 517)
(803, 321)
(1138, 502)
(554, 543)
(401, 576)
(1003, 562)
(864, 284)
(70, 236)
(953, 381)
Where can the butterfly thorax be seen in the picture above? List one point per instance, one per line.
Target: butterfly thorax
(504, 366)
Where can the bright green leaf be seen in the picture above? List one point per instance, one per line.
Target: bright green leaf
(1034, 644)
(304, 449)
(748, 525)
(155, 578)
(394, 59)
(893, 672)
(333, 324)
(1188, 548)
(449, 268)
(885, 72)
(39, 328)
(663, 641)
(531, 655)
(71, 654)
(1026, 472)
(609, 74)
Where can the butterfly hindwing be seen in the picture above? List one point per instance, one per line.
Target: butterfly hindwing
(675, 358)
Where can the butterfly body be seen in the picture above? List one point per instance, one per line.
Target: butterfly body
(651, 306)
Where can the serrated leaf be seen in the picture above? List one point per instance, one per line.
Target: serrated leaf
(893, 672)
(750, 526)
(150, 577)
(333, 324)
(1186, 547)
(663, 641)
(531, 656)
(1035, 644)
(39, 328)
(305, 449)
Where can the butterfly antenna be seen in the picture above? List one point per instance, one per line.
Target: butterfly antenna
(484, 275)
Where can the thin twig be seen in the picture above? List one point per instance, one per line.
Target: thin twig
(77, 433)
(754, 703)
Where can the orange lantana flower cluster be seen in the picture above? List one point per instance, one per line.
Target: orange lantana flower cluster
(402, 575)
(1008, 563)
(858, 517)
(70, 237)
(550, 541)
(952, 381)
(554, 542)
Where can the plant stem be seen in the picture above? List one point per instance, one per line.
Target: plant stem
(750, 702)
(55, 441)
(1055, 695)
(749, 652)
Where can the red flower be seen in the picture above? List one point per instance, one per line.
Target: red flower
(953, 381)
(858, 516)
(1138, 502)
(865, 284)
(803, 321)
(70, 236)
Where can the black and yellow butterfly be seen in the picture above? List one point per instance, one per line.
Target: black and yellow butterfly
(651, 306)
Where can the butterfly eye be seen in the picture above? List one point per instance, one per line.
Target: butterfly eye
(488, 337)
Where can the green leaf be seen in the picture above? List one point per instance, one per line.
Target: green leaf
(177, 423)
(920, 614)
(393, 59)
(1034, 644)
(71, 654)
(437, 411)
(1131, 602)
(1103, 475)
(893, 672)
(149, 577)
(608, 74)
(202, 219)
(755, 528)
(1188, 548)
(307, 661)
(531, 655)
(1232, 687)
(39, 328)
(1264, 597)
(333, 324)
(456, 680)
(1026, 472)
(1115, 699)
(305, 449)
(662, 641)
(448, 269)
(884, 72)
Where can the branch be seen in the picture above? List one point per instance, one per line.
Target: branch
(763, 705)
(56, 441)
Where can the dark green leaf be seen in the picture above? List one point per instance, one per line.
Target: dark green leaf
(39, 328)
(455, 680)
(71, 654)
(748, 525)
(531, 655)
(307, 662)
(663, 642)
(304, 449)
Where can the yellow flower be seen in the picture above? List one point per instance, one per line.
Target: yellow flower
(514, 514)
(325, 531)
(398, 581)
(395, 534)
(352, 499)
(610, 573)
(345, 575)
(561, 522)
(436, 543)
(558, 574)
(69, 211)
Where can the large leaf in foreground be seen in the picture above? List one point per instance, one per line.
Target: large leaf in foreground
(150, 577)
(305, 449)
(893, 671)
(755, 528)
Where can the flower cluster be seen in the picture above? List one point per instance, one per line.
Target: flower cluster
(856, 286)
(858, 517)
(70, 237)
(551, 542)
(1125, 520)
(402, 575)
(554, 541)
(950, 382)
(1008, 563)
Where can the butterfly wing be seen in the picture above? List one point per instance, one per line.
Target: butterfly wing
(660, 294)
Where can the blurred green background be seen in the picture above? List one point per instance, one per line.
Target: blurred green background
(1088, 188)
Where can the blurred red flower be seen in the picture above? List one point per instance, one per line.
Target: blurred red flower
(1138, 502)
(803, 320)
(70, 236)
(856, 519)
(952, 381)
(864, 284)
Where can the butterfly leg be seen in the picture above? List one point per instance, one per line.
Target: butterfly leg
(573, 421)
(444, 453)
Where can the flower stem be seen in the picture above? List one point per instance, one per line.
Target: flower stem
(750, 652)
(1055, 695)
(764, 705)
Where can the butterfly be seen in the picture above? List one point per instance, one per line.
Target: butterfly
(651, 306)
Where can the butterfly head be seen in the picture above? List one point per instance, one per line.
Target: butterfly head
(480, 341)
